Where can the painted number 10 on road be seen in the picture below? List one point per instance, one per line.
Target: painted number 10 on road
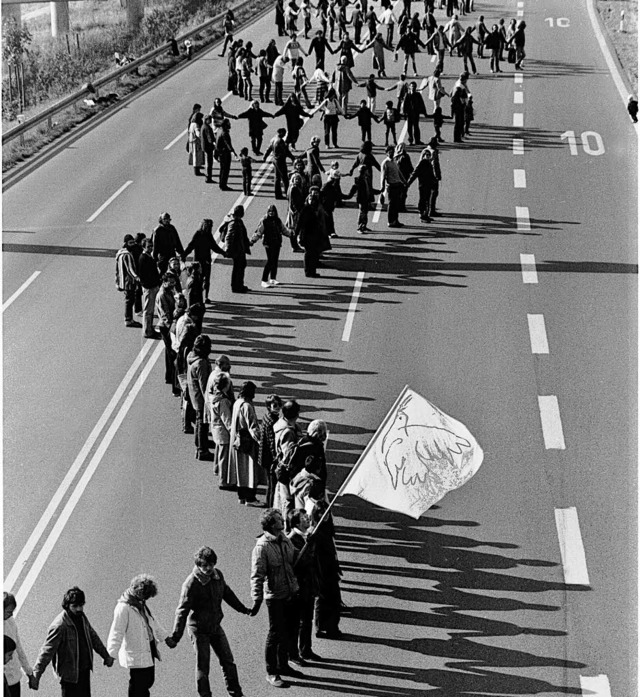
(591, 142)
(562, 22)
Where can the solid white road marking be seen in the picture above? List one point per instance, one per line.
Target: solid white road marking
(522, 218)
(61, 522)
(538, 334)
(596, 686)
(518, 146)
(352, 306)
(551, 422)
(50, 511)
(518, 120)
(529, 271)
(108, 201)
(20, 290)
(176, 139)
(574, 562)
(518, 78)
(519, 179)
(378, 210)
(184, 133)
(518, 98)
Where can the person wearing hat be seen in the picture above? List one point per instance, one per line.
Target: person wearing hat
(278, 151)
(166, 242)
(127, 279)
(237, 247)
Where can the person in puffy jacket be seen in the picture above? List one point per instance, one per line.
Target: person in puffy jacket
(273, 579)
(135, 634)
(200, 610)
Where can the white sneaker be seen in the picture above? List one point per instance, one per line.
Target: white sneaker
(273, 282)
(264, 284)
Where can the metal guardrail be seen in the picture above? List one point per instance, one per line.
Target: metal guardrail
(74, 98)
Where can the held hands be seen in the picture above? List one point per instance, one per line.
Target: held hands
(34, 682)
(171, 642)
(255, 609)
(108, 661)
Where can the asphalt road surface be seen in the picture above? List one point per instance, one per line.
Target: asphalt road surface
(515, 312)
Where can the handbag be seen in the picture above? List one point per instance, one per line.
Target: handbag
(243, 442)
(511, 55)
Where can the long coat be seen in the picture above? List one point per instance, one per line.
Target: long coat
(243, 467)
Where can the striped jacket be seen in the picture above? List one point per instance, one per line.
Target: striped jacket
(126, 276)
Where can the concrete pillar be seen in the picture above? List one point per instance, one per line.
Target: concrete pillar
(135, 13)
(59, 18)
(12, 12)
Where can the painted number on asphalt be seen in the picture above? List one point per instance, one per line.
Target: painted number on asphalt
(591, 142)
(562, 22)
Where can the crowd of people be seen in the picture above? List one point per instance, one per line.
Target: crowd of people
(295, 567)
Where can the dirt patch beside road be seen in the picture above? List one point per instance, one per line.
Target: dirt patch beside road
(625, 42)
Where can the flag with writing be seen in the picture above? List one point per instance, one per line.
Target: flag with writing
(416, 456)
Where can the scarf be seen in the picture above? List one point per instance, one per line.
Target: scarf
(145, 613)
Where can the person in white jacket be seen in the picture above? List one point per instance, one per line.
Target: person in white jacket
(19, 658)
(135, 634)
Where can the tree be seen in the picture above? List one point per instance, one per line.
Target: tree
(15, 40)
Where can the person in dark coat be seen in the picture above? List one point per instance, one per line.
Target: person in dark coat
(632, 108)
(202, 244)
(237, 247)
(279, 151)
(365, 116)
(465, 45)
(458, 106)
(426, 178)
(309, 234)
(366, 159)
(224, 150)
(150, 282)
(255, 115)
(293, 112)
(409, 43)
(413, 107)
(166, 243)
(267, 453)
(208, 143)
(319, 45)
(362, 190)
(271, 230)
(331, 197)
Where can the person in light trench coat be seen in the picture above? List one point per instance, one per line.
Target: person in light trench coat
(196, 153)
(220, 409)
(244, 471)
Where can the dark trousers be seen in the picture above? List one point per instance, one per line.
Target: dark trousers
(256, 143)
(424, 201)
(271, 267)
(328, 604)
(413, 129)
(202, 644)
(440, 63)
(284, 617)
(265, 89)
(305, 630)
(311, 258)
(246, 493)
(225, 168)
(14, 690)
(169, 355)
(394, 194)
(434, 196)
(129, 301)
(277, 97)
(495, 59)
(82, 688)
(363, 215)
(282, 177)
(208, 154)
(206, 277)
(228, 38)
(357, 33)
(390, 129)
(202, 433)
(331, 129)
(137, 305)
(458, 125)
(246, 183)
(141, 681)
(469, 58)
(237, 272)
(365, 132)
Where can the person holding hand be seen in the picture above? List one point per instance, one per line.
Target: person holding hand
(200, 609)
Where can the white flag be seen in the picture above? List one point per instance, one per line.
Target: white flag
(418, 454)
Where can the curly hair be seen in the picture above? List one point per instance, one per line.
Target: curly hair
(205, 555)
(269, 517)
(74, 596)
(144, 585)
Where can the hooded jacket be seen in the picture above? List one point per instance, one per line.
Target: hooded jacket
(128, 637)
(198, 371)
(272, 575)
(287, 433)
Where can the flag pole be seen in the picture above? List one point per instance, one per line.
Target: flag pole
(365, 452)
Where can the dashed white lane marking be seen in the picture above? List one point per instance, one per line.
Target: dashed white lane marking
(518, 146)
(109, 200)
(538, 334)
(518, 98)
(520, 4)
(518, 120)
(346, 334)
(20, 290)
(551, 422)
(518, 78)
(522, 219)
(519, 179)
(378, 210)
(529, 271)
(574, 562)
(47, 516)
(84, 480)
(184, 133)
(520, 13)
(596, 686)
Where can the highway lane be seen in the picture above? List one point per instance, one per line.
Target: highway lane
(487, 380)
